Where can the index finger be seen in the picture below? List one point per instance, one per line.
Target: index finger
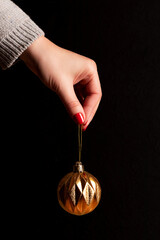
(93, 94)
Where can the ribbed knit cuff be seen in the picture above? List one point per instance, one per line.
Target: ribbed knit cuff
(17, 41)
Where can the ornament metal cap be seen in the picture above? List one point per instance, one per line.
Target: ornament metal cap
(78, 167)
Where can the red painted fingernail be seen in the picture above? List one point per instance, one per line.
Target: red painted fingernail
(78, 118)
(84, 129)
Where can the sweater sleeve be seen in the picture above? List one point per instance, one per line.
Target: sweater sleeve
(17, 32)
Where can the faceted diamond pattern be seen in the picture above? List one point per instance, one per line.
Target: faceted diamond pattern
(79, 193)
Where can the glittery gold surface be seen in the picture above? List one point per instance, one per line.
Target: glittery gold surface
(79, 193)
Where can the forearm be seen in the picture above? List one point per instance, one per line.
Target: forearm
(17, 32)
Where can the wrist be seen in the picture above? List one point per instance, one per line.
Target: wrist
(31, 56)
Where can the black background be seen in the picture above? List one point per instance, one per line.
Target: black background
(121, 147)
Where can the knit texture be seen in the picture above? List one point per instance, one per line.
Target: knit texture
(17, 32)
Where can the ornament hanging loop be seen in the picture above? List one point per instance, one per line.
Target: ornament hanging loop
(80, 141)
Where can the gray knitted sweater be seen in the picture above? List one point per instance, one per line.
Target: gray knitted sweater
(17, 32)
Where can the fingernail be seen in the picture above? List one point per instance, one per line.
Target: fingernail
(84, 129)
(78, 118)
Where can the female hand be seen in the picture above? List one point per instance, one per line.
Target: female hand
(72, 76)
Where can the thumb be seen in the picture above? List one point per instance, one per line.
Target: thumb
(72, 104)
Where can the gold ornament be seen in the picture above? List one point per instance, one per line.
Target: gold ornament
(79, 192)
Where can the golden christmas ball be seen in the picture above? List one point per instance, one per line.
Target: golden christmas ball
(79, 192)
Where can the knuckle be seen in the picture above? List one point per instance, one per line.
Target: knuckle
(73, 104)
(92, 65)
(100, 94)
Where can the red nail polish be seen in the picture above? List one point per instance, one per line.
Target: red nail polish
(84, 129)
(78, 118)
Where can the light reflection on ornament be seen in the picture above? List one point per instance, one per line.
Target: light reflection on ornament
(79, 192)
